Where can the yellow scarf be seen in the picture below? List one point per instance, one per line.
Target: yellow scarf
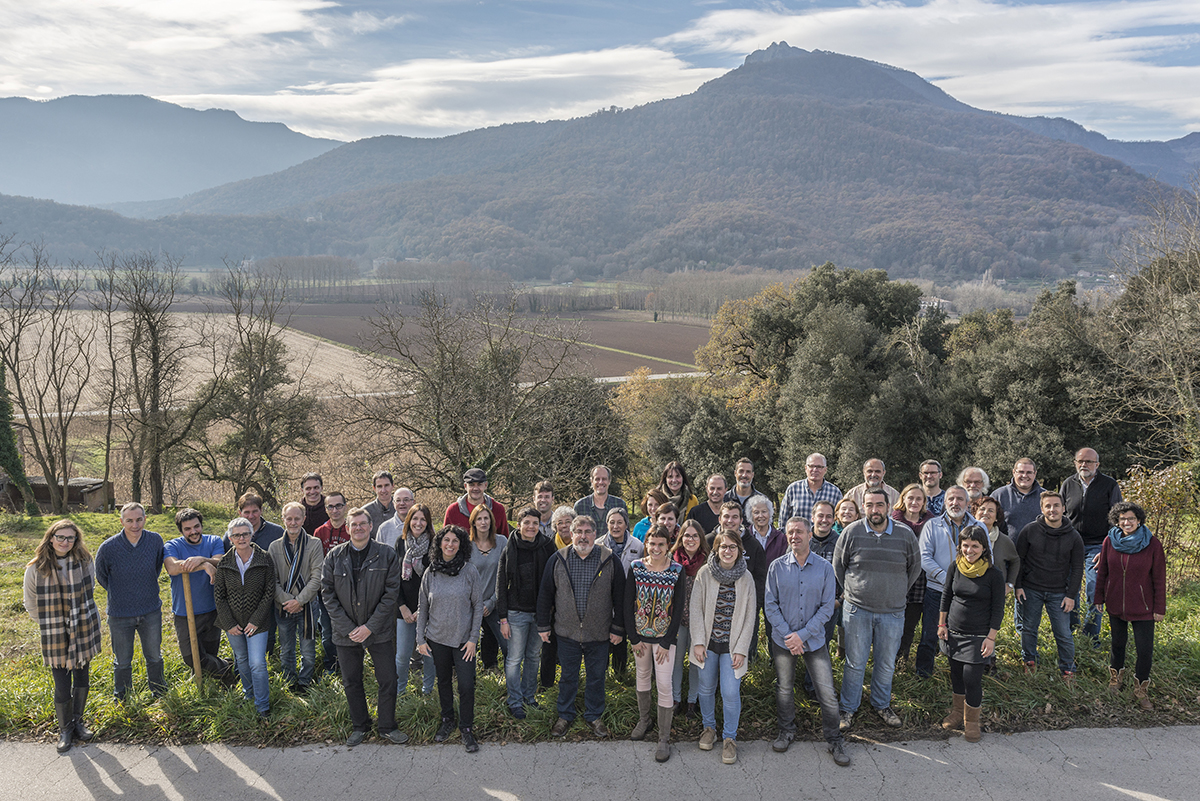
(971, 570)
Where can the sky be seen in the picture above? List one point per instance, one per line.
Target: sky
(348, 70)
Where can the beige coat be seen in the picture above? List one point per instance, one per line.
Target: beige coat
(703, 609)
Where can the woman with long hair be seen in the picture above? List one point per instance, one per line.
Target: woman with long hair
(418, 534)
(449, 616)
(1131, 582)
(722, 611)
(486, 547)
(675, 485)
(59, 582)
(244, 589)
(690, 551)
(654, 601)
(971, 613)
(911, 510)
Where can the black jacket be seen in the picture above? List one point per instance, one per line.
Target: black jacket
(1088, 511)
(367, 597)
(1051, 558)
(519, 575)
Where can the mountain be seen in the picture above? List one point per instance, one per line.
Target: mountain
(111, 148)
(792, 159)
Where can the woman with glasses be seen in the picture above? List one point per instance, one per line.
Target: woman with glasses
(722, 613)
(244, 589)
(59, 581)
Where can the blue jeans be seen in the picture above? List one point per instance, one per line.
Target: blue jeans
(250, 654)
(594, 656)
(523, 658)
(819, 666)
(1060, 625)
(927, 648)
(148, 629)
(683, 643)
(406, 643)
(884, 630)
(492, 621)
(718, 668)
(290, 628)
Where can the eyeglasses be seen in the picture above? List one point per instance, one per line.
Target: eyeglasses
(64, 538)
(727, 547)
(335, 506)
(1087, 461)
(237, 535)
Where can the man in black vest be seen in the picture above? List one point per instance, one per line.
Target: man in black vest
(1088, 495)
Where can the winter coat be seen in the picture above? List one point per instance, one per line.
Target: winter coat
(1133, 586)
(244, 602)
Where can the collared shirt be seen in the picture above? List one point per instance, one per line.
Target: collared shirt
(241, 566)
(798, 500)
(939, 546)
(582, 573)
(800, 598)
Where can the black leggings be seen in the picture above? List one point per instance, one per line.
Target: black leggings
(1143, 643)
(912, 616)
(64, 678)
(967, 679)
(450, 665)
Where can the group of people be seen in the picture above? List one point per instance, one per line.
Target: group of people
(574, 589)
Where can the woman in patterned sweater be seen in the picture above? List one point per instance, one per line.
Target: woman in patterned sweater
(654, 599)
(58, 596)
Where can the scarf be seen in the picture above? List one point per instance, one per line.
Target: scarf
(1135, 542)
(722, 575)
(67, 615)
(439, 565)
(971, 570)
(415, 549)
(690, 564)
(296, 581)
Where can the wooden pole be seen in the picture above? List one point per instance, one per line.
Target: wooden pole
(191, 617)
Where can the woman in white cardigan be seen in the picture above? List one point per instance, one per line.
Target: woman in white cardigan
(722, 624)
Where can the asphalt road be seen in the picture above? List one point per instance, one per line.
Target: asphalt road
(1091, 764)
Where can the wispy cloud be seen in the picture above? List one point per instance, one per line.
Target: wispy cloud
(429, 97)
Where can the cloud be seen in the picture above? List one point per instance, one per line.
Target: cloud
(1103, 61)
(432, 97)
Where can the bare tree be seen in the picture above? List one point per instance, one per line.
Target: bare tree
(149, 367)
(465, 386)
(46, 347)
(1150, 332)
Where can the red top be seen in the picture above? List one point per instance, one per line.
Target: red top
(1132, 586)
(330, 536)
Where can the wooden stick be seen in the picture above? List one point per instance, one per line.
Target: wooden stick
(191, 617)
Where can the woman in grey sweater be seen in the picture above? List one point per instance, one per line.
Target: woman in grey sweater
(449, 614)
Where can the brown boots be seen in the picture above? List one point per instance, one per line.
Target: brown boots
(954, 720)
(971, 723)
(643, 724)
(1115, 677)
(1141, 691)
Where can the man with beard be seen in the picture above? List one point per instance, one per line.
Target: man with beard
(939, 549)
(975, 481)
(876, 560)
(1087, 496)
(708, 514)
(873, 473)
(193, 557)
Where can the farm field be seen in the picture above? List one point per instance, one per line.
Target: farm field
(664, 347)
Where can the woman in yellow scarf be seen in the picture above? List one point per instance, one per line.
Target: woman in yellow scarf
(971, 613)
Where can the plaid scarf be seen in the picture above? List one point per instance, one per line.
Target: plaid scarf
(67, 615)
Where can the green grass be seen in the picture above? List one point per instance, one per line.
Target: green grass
(1012, 701)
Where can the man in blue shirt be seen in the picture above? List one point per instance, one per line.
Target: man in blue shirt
(801, 588)
(195, 555)
(127, 566)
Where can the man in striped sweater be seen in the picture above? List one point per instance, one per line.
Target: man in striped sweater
(876, 560)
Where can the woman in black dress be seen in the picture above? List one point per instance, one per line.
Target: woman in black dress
(972, 610)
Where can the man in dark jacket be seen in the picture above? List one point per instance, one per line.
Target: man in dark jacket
(360, 584)
(582, 600)
(518, 580)
(1087, 496)
(1051, 552)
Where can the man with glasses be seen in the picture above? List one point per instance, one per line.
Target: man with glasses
(331, 534)
(930, 473)
(1019, 499)
(127, 566)
(1088, 495)
(975, 481)
(800, 495)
